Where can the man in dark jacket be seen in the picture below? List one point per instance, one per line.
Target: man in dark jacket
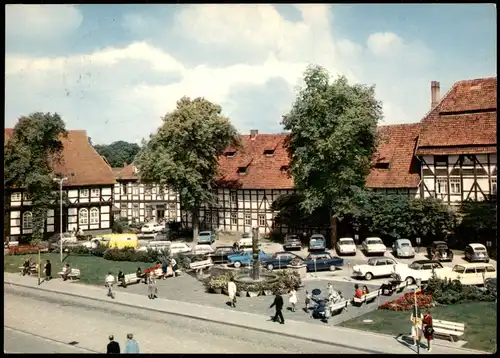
(48, 270)
(278, 304)
(113, 346)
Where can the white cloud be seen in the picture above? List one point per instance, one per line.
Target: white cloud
(121, 92)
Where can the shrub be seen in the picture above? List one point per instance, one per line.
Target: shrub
(218, 281)
(407, 302)
(446, 292)
(129, 254)
(289, 279)
(119, 225)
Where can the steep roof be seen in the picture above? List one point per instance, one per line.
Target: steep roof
(127, 172)
(80, 163)
(463, 122)
(394, 163)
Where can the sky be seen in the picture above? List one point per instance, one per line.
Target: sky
(115, 70)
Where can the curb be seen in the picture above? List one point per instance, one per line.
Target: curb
(263, 329)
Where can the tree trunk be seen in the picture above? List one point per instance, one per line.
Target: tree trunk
(194, 223)
(333, 229)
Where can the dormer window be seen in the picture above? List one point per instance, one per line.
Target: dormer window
(230, 154)
(284, 168)
(382, 165)
(242, 170)
(269, 152)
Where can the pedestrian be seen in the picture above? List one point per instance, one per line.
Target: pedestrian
(152, 289)
(293, 299)
(48, 271)
(164, 268)
(416, 326)
(308, 301)
(131, 346)
(330, 289)
(231, 289)
(173, 262)
(428, 329)
(278, 304)
(109, 282)
(113, 346)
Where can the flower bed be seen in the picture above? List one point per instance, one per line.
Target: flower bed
(27, 249)
(407, 302)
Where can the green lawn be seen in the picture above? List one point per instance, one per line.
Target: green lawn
(480, 320)
(93, 269)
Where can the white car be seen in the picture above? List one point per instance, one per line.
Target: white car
(156, 245)
(346, 245)
(246, 240)
(179, 248)
(203, 250)
(374, 245)
(469, 274)
(376, 267)
(92, 243)
(420, 269)
(152, 227)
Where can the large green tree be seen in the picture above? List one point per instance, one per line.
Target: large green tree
(478, 220)
(30, 152)
(333, 137)
(118, 153)
(183, 154)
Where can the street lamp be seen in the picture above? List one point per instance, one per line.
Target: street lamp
(60, 181)
(418, 244)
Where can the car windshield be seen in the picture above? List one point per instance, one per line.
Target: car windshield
(316, 241)
(346, 242)
(405, 244)
(442, 247)
(479, 249)
(372, 262)
(374, 242)
(415, 266)
(459, 269)
(204, 234)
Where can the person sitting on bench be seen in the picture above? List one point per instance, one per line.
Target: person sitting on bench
(357, 291)
(121, 278)
(66, 271)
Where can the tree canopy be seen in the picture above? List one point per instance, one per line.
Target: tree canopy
(479, 220)
(118, 153)
(183, 154)
(333, 137)
(34, 146)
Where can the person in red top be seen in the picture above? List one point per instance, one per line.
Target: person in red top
(357, 291)
(427, 328)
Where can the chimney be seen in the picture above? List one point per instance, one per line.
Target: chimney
(435, 96)
(253, 133)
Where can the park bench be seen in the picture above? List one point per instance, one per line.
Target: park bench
(74, 274)
(368, 298)
(32, 270)
(337, 308)
(130, 278)
(452, 330)
(199, 266)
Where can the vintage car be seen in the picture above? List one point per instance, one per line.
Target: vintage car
(203, 250)
(403, 248)
(206, 237)
(317, 242)
(420, 269)
(374, 245)
(245, 240)
(292, 242)
(245, 258)
(375, 267)
(345, 246)
(319, 261)
(440, 251)
(280, 260)
(179, 248)
(221, 254)
(469, 274)
(152, 227)
(476, 252)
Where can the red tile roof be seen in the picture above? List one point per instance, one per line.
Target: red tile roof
(125, 173)
(465, 117)
(397, 146)
(80, 163)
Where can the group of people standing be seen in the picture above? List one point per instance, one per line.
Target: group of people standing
(149, 278)
(421, 325)
(131, 346)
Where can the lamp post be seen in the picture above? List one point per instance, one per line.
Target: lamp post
(417, 328)
(60, 181)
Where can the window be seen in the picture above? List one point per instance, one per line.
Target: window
(233, 197)
(28, 220)
(234, 218)
(83, 216)
(459, 269)
(242, 170)
(230, 154)
(455, 186)
(95, 193)
(153, 190)
(248, 219)
(382, 165)
(172, 210)
(269, 152)
(149, 212)
(215, 218)
(124, 189)
(26, 197)
(135, 189)
(208, 218)
(123, 210)
(490, 269)
(494, 186)
(442, 186)
(15, 197)
(84, 193)
(381, 263)
(262, 220)
(135, 211)
(470, 270)
(94, 216)
(147, 189)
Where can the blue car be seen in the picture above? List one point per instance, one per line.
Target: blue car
(206, 237)
(245, 257)
(280, 260)
(317, 242)
(323, 261)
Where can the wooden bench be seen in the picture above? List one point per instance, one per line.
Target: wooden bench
(199, 266)
(74, 274)
(31, 270)
(368, 298)
(452, 330)
(337, 308)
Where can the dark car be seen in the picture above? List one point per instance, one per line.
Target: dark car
(219, 256)
(476, 252)
(292, 242)
(280, 260)
(317, 242)
(440, 251)
(319, 261)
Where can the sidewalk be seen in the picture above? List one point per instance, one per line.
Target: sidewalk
(337, 336)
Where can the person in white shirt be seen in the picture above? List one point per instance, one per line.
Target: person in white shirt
(231, 290)
(108, 282)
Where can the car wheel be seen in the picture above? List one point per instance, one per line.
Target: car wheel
(410, 280)
(332, 268)
(270, 267)
(368, 276)
(237, 264)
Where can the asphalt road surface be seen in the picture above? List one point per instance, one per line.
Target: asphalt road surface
(44, 322)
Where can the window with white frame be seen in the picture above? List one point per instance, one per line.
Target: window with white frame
(494, 186)
(135, 211)
(233, 197)
(172, 211)
(83, 216)
(135, 189)
(123, 210)
(455, 187)
(15, 197)
(262, 220)
(28, 220)
(208, 218)
(94, 216)
(153, 190)
(149, 212)
(84, 193)
(95, 193)
(248, 219)
(215, 217)
(442, 186)
(234, 218)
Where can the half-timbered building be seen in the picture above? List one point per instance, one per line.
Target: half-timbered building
(139, 202)
(88, 192)
(457, 142)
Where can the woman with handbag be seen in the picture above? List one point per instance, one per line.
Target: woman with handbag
(428, 329)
